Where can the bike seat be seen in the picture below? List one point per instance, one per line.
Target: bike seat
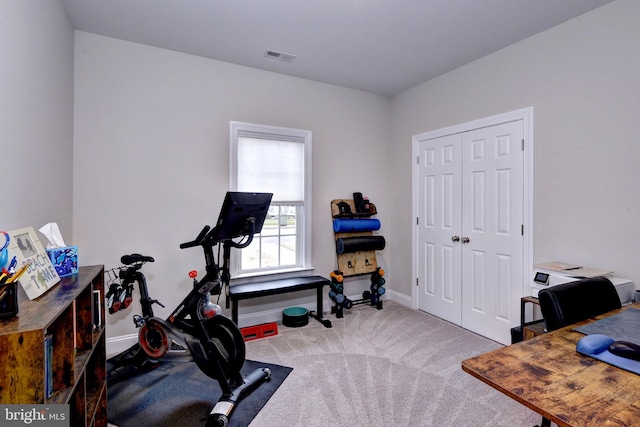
(134, 259)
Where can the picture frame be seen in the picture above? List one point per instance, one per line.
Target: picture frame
(40, 275)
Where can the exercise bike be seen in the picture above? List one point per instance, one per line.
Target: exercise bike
(196, 331)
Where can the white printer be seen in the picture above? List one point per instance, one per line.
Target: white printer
(556, 273)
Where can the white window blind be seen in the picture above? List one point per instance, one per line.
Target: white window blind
(271, 166)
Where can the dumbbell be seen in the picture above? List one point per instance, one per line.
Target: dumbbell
(340, 299)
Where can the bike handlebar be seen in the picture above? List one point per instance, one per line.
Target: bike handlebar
(214, 234)
(207, 233)
(198, 240)
(252, 230)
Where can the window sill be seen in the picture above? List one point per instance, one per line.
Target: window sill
(269, 275)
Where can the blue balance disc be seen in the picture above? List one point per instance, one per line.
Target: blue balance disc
(295, 317)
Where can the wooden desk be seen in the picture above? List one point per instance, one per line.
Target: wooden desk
(548, 375)
(531, 328)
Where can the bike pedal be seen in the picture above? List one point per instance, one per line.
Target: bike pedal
(138, 320)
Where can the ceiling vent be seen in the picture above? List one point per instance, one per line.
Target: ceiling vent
(280, 56)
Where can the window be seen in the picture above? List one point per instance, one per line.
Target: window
(274, 160)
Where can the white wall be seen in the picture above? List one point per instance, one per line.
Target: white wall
(36, 114)
(151, 156)
(149, 163)
(582, 79)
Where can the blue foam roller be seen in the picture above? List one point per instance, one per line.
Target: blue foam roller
(355, 225)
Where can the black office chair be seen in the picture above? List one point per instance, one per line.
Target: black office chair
(573, 302)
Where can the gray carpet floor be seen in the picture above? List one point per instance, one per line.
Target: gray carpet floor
(390, 367)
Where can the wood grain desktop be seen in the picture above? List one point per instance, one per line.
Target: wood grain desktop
(549, 376)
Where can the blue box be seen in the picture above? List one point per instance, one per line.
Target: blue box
(65, 260)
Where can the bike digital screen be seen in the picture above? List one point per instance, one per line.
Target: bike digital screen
(236, 210)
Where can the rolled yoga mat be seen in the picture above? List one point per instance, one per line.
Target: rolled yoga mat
(359, 244)
(355, 225)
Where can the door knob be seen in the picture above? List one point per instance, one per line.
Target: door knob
(465, 240)
(455, 238)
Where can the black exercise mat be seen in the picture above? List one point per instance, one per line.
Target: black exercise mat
(178, 394)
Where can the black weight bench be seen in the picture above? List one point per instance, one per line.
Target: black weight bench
(281, 286)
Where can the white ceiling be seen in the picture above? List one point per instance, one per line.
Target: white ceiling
(379, 46)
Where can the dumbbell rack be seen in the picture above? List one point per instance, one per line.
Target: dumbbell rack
(355, 263)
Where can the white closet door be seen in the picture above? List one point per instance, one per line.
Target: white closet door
(440, 219)
(492, 240)
(470, 249)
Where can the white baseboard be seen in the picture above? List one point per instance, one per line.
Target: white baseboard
(403, 299)
(116, 345)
